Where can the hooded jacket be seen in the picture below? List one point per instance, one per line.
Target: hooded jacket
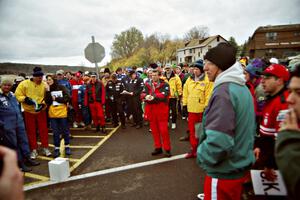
(175, 85)
(29, 88)
(58, 110)
(11, 122)
(226, 146)
(196, 94)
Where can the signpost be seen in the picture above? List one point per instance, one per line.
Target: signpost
(94, 52)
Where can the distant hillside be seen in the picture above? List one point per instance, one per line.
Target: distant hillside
(16, 68)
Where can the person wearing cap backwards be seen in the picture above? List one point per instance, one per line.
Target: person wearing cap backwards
(274, 80)
(95, 98)
(61, 80)
(196, 93)
(86, 114)
(156, 94)
(175, 91)
(76, 82)
(225, 150)
(12, 128)
(114, 88)
(31, 94)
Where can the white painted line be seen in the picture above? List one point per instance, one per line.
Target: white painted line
(106, 171)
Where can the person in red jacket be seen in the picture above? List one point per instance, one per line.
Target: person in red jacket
(156, 94)
(76, 82)
(95, 98)
(274, 80)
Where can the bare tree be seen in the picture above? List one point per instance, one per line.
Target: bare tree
(197, 32)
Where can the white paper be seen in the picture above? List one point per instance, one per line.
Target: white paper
(56, 94)
(262, 186)
(76, 87)
(125, 92)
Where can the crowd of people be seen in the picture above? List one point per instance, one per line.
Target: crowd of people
(241, 114)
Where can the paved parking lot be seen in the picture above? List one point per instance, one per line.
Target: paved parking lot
(122, 167)
(83, 144)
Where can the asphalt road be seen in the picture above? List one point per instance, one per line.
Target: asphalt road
(180, 179)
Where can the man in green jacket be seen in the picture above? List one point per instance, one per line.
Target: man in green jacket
(287, 149)
(225, 150)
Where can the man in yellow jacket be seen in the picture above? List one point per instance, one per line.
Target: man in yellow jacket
(31, 93)
(196, 93)
(175, 91)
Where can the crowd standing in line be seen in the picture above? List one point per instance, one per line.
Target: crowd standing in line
(241, 114)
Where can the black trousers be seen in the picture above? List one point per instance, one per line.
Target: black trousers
(117, 109)
(135, 107)
(172, 107)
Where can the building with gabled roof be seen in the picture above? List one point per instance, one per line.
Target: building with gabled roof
(196, 49)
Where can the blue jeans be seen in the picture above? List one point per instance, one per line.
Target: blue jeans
(60, 126)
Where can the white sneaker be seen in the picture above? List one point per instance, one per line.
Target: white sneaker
(75, 125)
(46, 152)
(173, 126)
(34, 154)
(200, 196)
(183, 118)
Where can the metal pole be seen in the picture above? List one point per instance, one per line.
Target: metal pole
(94, 54)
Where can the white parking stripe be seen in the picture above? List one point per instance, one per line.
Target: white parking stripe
(107, 171)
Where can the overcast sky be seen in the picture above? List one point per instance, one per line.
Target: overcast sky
(57, 31)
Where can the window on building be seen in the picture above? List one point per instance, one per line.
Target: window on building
(270, 53)
(180, 60)
(296, 34)
(271, 36)
(191, 50)
(194, 50)
(184, 52)
(209, 47)
(218, 39)
(201, 50)
(198, 54)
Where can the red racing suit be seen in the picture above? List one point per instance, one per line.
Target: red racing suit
(269, 125)
(95, 98)
(75, 86)
(158, 112)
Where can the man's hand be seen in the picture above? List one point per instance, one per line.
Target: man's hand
(47, 87)
(270, 174)
(290, 122)
(29, 101)
(11, 179)
(149, 97)
(256, 152)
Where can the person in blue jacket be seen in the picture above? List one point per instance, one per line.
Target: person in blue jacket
(61, 80)
(12, 129)
(86, 114)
